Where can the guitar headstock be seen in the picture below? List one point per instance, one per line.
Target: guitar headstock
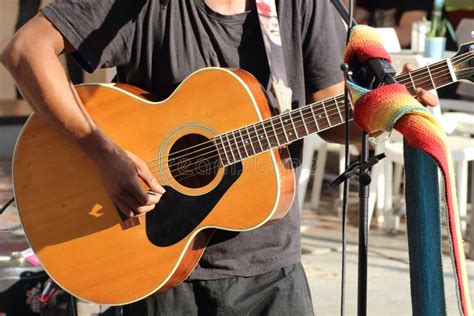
(463, 62)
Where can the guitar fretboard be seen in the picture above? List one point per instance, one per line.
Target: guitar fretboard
(285, 128)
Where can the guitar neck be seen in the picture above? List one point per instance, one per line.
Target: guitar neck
(285, 128)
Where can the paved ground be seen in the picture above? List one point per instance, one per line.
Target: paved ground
(388, 286)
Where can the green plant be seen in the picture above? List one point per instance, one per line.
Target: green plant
(440, 25)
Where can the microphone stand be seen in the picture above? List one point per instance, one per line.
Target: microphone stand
(368, 74)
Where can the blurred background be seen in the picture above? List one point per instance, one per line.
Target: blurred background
(418, 32)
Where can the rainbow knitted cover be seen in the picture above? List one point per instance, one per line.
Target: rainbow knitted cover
(392, 106)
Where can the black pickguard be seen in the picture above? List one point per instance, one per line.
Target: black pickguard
(177, 214)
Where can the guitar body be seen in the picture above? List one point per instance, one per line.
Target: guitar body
(76, 231)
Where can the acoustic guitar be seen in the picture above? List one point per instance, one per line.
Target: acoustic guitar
(212, 144)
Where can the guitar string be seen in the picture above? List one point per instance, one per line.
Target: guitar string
(330, 109)
(254, 137)
(238, 144)
(261, 127)
(208, 165)
(415, 76)
(399, 80)
(301, 119)
(431, 68)
(202, 167)
(421, 72)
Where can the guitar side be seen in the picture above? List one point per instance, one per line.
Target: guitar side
(73, 226)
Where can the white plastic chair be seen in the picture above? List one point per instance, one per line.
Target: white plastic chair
(462, 151)
(462, 124)
(312, 144)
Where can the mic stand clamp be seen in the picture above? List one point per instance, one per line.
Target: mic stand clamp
(359, 169)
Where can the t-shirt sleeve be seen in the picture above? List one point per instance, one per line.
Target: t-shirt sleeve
(101, 32)
(323, 35)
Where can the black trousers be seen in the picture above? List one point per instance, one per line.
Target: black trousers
(281, 292)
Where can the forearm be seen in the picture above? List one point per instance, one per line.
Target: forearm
(36, 69)
(335, 134)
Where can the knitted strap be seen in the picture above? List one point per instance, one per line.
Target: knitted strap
(392, 106)
(424, 233)
(364, 43)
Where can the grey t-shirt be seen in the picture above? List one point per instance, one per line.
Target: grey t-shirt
(155, 46)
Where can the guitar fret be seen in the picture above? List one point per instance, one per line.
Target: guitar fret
(237, 145)
(266, 135)
(225, 150)
(309, 117)
(412, 81)
(284, 129)
(429, 73)
(325, 112)
(214, 140)
(270, 133)
(350, 110)
(230, 147)
(292, 124)
(338, 110)
(275, 133)
(302, 118)
(243, 143)
(450, 68)
(258, 138)
(262, 137)
(443, 80)
(314, 116)
(250, 139)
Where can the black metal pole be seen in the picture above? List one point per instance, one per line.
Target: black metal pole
(363, 229)
(382, 71)
(363, 202)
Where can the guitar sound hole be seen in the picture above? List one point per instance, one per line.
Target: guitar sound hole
(193, 161)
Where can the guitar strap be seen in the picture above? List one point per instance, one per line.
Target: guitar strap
(267, 14)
